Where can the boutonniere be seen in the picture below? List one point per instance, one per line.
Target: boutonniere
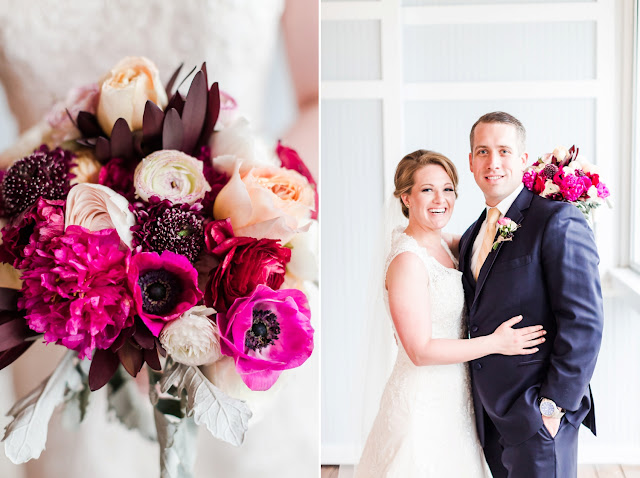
(506, 228)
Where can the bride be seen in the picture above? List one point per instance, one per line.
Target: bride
(425, 424)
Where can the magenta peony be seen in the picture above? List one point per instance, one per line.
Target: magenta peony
(164, 286)
(244, 263)
(266, 333)
(30, 231)
(75, 291)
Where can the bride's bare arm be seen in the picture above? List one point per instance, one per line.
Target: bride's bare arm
(407, 282)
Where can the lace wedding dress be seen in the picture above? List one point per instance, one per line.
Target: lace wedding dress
(425, 426)
(49, 46)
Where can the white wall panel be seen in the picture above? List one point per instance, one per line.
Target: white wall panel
(505, 52)
(351, 205)
(351, 50)
(416, 3)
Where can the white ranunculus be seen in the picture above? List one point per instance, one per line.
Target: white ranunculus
(193, 338)
(550, 188)
(171, 175)
(592, 192)
(125, 92)
(238, 142)
(560, 153)
(97, 207)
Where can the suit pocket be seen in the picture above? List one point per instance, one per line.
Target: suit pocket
(512, 263)
(532, 362)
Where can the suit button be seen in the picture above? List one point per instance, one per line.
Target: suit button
(475, 328)
(477, 366)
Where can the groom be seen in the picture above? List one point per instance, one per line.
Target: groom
(529, 407)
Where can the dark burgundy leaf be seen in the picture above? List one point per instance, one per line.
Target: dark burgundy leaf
(172, 80)
(103, 149)
(151, 357)
(89, 143)
(88, 125)
(172, 131)
(203, 69)
(71, 118)
(187, 76)
(121, 140)
(9, 298)
(143, 336)
(13, 332)
(103, 365)
(193, 114)
(160, 348)
(213, 110)
(122, 338)
(137, 145)
(131, 358)
(151, 123)
(176, 102)
(9, 356)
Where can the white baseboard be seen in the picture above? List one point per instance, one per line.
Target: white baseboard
(345, 454)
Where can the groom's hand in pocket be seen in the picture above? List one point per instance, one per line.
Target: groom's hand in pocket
(552, 425)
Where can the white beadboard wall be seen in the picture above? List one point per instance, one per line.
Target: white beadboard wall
(560, 67)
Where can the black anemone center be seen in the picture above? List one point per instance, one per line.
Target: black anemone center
(264, 330)
(160, 289)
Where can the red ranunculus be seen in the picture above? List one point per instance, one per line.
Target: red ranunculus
(245, 263)
(538, 184)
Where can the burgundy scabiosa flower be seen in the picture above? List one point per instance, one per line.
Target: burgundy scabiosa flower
(265, 333)
(75, 291)
(43, 174)
(163, 226)
(30, 231)
(164, 286)
(244, 263)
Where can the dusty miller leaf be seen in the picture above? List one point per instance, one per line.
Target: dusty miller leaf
(131, 407)
(177, 439)
(26, 435)
(225, 417)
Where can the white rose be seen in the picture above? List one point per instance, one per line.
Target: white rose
(592, 192)
(125, 92)
(549, 189)
(193, 338)
(560, 153)
(238, 142)
(589, 168)
(97, 207)
(304, 254)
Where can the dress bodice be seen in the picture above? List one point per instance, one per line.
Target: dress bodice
(49, 46)
(445, 286)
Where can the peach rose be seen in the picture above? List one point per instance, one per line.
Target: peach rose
(125, 91)
(272, 203)
(86, 168)
(96, 207)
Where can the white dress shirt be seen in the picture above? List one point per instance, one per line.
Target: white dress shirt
(503, 206)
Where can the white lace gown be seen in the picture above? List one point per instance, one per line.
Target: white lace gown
(425, 426)
(49, 46)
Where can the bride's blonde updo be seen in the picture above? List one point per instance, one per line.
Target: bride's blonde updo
(411, 163)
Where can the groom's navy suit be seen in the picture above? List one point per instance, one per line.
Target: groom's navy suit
(549, 274)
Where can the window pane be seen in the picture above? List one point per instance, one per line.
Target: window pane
(351, 50)
(500, 52)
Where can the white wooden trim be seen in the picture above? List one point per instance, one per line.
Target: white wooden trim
(501, 89)
(392, 104)
(352, 10)
(501, 13)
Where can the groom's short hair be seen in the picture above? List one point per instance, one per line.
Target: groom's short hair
(505, 118)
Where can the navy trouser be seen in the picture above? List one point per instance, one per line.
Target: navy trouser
(541, 456)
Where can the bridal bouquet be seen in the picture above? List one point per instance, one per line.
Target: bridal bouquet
(151, 227)
(563, 176)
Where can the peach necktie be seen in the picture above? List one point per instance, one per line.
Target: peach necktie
(487, 242)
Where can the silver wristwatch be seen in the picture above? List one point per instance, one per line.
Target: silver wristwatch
(549, 409)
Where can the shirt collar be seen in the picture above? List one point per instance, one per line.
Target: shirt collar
(504, 205)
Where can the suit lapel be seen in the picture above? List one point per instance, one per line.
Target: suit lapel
(515, 213)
